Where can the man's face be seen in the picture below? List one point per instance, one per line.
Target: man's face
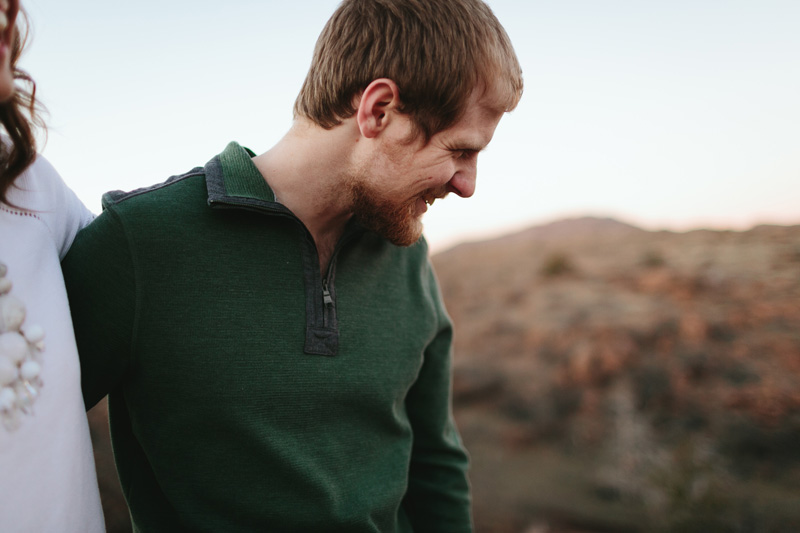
(393, 189)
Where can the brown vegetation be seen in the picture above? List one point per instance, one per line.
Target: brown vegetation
(666, 364)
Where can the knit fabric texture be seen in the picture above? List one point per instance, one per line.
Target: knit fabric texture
(192, 303)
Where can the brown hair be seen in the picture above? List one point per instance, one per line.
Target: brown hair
(18, 115)
(436, 51)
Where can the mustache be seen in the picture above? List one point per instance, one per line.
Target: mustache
(434, 193)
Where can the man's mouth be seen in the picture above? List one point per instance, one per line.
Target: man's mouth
(431, 196)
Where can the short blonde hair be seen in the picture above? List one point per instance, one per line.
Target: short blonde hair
(436, 51)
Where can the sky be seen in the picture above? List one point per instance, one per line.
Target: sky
(672, 114)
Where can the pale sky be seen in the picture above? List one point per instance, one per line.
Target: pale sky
(668, 114)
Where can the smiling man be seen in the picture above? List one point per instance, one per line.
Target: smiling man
(268, 328)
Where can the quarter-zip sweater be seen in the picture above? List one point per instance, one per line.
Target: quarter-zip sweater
(248, 391)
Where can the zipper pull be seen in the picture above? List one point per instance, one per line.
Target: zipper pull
(326, 294)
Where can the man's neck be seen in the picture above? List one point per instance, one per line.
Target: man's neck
(307, 171)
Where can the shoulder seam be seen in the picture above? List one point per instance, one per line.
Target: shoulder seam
(116, 197)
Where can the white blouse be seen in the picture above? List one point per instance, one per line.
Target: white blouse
(47, 471)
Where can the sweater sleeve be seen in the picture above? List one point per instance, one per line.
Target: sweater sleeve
(438, 496)
(100, 279)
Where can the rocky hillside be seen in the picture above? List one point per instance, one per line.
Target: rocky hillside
(632, 356)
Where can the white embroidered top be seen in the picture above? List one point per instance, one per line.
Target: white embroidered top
(47, 471)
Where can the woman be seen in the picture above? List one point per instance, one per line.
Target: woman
(47, 475)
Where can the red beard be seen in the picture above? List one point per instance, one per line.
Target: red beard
(395, 221)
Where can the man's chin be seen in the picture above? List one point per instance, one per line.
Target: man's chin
(404, 234)
(400, 224)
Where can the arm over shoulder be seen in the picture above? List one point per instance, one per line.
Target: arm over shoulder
(100, 278)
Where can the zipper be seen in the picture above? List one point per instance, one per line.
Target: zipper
(326, 294)
(328, 302)
(321, 324)
(328, 307)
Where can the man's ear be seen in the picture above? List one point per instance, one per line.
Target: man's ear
(379, 100)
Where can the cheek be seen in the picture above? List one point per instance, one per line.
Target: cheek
(444, 171)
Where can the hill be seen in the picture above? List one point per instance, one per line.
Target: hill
(616, 370)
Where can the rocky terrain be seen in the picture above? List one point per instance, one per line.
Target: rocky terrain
(614, 379)
(609, 378)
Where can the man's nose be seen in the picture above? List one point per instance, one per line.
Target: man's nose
(463, 183)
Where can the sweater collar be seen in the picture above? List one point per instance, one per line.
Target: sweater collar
(233, 181)
(232, 174)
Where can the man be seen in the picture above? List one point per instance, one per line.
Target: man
(269, 329)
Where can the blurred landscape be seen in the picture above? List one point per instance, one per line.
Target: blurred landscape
(612, 379)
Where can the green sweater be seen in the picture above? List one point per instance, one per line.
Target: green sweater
(247, 392)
